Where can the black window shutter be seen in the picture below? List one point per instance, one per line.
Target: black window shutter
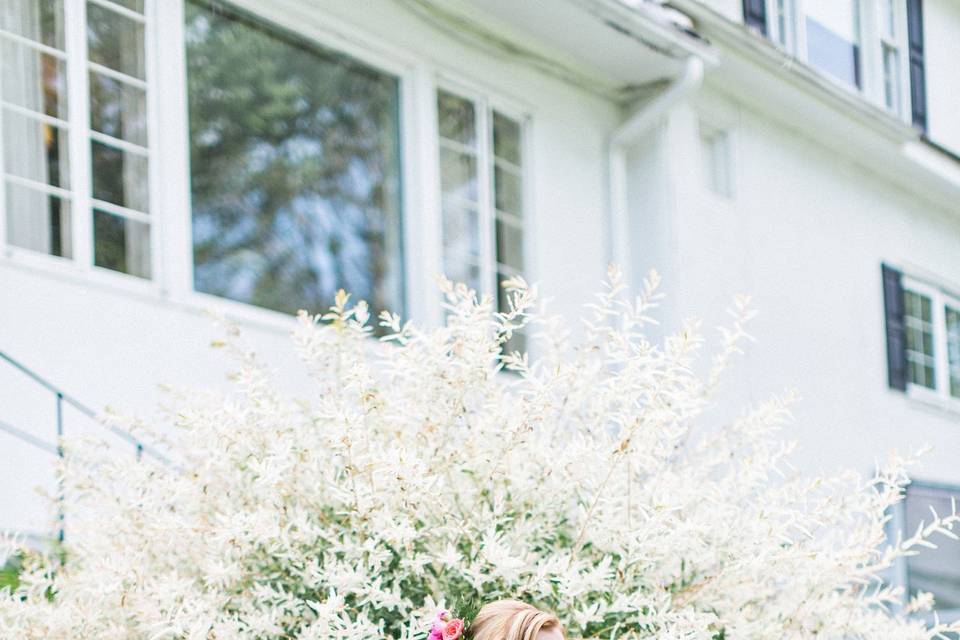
(896, 333)
(755, 15)
(918, 81)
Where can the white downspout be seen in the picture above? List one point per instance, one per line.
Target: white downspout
(638, 123)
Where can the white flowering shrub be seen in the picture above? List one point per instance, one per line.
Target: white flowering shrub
(592, 481)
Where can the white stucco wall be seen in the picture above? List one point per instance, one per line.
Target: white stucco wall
(805, 235)
(108, 343)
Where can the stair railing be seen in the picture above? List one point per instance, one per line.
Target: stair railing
(60, 398)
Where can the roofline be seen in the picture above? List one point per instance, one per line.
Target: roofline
(910, 158)
(792, 70)
(467, 21)
(640, 23)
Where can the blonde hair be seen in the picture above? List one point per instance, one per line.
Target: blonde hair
(511, 620)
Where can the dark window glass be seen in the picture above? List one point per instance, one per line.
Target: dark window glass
(121, 244)
(115, 41)
(295, 170)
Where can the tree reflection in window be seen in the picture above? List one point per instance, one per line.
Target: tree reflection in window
(295, 170)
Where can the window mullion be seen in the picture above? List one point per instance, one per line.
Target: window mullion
(79, 118)
(488, 269)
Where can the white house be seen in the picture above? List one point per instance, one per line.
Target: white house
(165, 157)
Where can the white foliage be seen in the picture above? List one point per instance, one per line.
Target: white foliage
(591, 480)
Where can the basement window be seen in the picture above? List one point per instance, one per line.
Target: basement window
(935, 571)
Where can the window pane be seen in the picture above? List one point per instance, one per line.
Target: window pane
(888, 21)
(508, 192)
(39, 20)
(118, 109)
(38, 221)
(121, 244)
(33, 80)
(461, 268)
(457, 119)
(295, 168)
(832, 39)
(918, 318)
(518, 341)
(953, 349)
(115, 41)
(509, 244)
(891, 78)
(783, 22)
(34, 150)
(934, 570)
(458, 175)
(461, 231)
(506, 138)
(119, 177)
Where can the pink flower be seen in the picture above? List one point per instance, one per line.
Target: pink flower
(453, 629)
(439, 623)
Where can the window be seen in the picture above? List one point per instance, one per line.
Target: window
(481, 183)
(49, 207)
(932, 327)
(893, 41)
(860, 43)
(716, 160)
(833, 39)
(784, 23)
(935, 570)
(918, 320)
(295, 168)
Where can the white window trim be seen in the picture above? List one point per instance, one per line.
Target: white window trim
(939, 397)
(486, 101)
(79, 138)
(871, 50)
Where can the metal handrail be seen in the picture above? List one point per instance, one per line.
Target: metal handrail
(28, 438)
(43, 382)
(61, 396)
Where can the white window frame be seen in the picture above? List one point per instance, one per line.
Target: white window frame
(485, 102)
(79, 138)
(939, 298)
(872, 38)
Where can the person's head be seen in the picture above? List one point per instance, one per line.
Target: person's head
(514, 620)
